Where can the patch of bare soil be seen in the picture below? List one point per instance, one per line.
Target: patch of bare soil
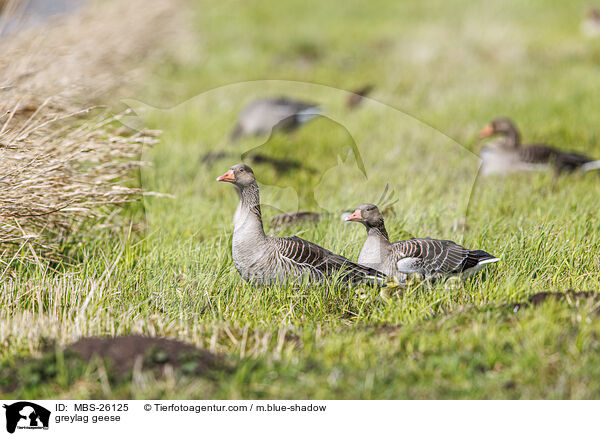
(123, 352)
(540, 297)
(534, 300)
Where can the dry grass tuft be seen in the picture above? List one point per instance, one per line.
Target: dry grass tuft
(62, 158)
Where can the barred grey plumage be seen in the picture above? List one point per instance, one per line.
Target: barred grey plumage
(431, 258)
(508, 155)
(263, 259)
(263, 115)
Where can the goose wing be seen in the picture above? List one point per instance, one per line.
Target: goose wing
(537, 153)
(563, 160)
(431, 256)
(306, 256)
(569, 161)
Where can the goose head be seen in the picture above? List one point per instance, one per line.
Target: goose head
(241, 175)
(504, 127)
(367, 214)
(593, 14)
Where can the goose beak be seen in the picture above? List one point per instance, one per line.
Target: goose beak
(486, 131)
(227, 177)
(356, 216)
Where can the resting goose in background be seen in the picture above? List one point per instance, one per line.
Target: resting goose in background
(262, 116)
(590, 26)
(430, 258)
(263, 259)
(357, 96)
(508, 155)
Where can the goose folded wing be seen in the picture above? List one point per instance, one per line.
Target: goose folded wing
(571, 161)
(432, 256)
(537, 153)
(303, 253)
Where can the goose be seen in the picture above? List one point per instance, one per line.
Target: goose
(357, 96)
(429, 258)
(263, 260)
(264, 115)
(590, 26)
(508, 155)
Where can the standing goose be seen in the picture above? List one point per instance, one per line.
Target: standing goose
(264, 115)
(508, 155)
(430, 258)
(263, 259)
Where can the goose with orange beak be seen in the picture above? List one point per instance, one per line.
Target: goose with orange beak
(263, 260)
(429, 258)
(507, 155)
(229, 176)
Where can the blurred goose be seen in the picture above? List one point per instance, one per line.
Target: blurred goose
(590, 26)
(263, 259)
(508, 155)
(262, 116)
(430, 258)
(357, 96)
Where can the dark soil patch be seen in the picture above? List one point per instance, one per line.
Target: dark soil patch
(532, 301)
(211, 157)
(123, 352)
(118, 355)
(541, 297)
(289, 218)
(282, 166)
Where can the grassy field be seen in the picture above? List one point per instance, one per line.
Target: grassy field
(441, 70)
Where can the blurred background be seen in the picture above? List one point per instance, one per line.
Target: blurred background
(437, 73)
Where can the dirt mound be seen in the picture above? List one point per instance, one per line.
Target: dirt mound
(122, 353)
(540, 297)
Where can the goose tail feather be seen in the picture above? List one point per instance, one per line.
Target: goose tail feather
(590, 166)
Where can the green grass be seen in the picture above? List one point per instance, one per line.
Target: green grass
(441, 71)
